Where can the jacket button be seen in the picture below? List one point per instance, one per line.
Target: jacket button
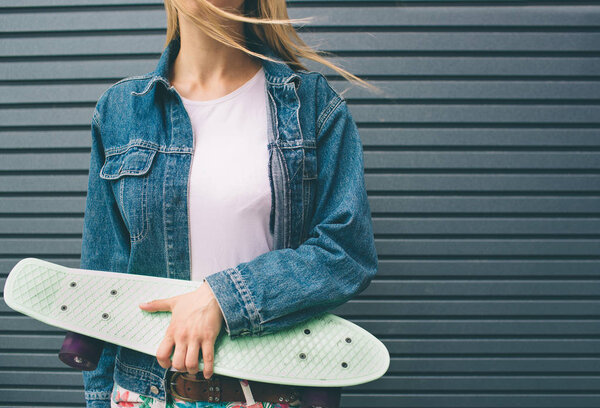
(154, 390)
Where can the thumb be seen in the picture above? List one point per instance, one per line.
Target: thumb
(160, 305)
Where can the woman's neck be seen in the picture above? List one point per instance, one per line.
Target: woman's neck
(207, 66)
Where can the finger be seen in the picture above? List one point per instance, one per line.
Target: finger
(159, 305)
(192, 357)
(179, 356)
(163, 353)
(208, 357)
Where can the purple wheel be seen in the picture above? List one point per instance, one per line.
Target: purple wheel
(81, 352)
(325, 397)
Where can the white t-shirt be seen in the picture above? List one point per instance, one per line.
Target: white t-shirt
(229, 190)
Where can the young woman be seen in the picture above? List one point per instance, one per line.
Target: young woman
(230, 164)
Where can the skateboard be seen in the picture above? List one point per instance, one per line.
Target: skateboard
(324, 351)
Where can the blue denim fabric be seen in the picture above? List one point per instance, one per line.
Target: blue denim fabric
(136, 214)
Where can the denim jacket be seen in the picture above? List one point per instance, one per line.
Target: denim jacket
(136, 213)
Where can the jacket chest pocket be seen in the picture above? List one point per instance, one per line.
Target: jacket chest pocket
(128, 171)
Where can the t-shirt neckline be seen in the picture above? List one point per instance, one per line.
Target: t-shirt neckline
(230, 95)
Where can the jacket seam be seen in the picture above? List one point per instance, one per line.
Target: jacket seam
(96, 118)
(298, 114)
(336, 93)
(287, 201)
(133, 78)
(145, 144)
(121, 186)
(276, 127)
(326, 113)
(126, 79)
(143, 209)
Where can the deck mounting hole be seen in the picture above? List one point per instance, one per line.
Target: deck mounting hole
(306, 331)
(105, 316)
(73, 284)
(348, 340)
(63, 307)
(302, 356)
(344, 364)
(113, 292)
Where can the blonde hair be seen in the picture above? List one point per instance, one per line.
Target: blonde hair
(268, 23)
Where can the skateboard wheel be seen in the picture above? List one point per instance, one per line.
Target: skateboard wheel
(81, 352)
(325, 397)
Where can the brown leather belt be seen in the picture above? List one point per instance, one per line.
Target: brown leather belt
(219, 388)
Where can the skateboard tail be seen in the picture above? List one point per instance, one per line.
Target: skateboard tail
(11, 290)
(62, 297)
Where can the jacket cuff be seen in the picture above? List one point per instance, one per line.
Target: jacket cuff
(233, 296)
(97, 404)
(97, 399)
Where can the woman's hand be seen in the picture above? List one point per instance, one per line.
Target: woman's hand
(196, 321)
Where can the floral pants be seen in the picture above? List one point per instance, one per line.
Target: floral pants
(121, 398)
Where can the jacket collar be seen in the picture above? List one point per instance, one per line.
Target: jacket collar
(276, 73)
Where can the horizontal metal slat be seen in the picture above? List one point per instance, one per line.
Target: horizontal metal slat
(496, 204)
(494, 346)
(375, 182)
(506, 67)
(430, 114)
(490, 205)
(152, 44)
(475, 399)
(28, 225)
(380, 138)
(443, 308)
(521, 183)
(358, 15)
(146, 18)
(424, 268)
(43, 379)
(450, 247)
(398, 327)
(42, 205)
(563, 92)
(398, 346)
(469, 308)
(330, 41)
(47, 395)
(483, 247)
(28, 360)
(553, 160)
(512, 227)
(33, 341)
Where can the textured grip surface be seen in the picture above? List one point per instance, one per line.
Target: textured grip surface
(324, 351)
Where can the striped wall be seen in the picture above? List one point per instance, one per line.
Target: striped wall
(482, 166)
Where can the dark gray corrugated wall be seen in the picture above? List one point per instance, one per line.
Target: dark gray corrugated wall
(482, 168)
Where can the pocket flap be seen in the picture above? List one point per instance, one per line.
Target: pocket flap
(134, 161)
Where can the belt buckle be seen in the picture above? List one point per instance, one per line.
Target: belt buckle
(172, 387)
(214, 386)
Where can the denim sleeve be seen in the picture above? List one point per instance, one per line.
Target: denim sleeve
(104, 247)
(280, 288)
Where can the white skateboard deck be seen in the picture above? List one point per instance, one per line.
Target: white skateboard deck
(325, 351)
